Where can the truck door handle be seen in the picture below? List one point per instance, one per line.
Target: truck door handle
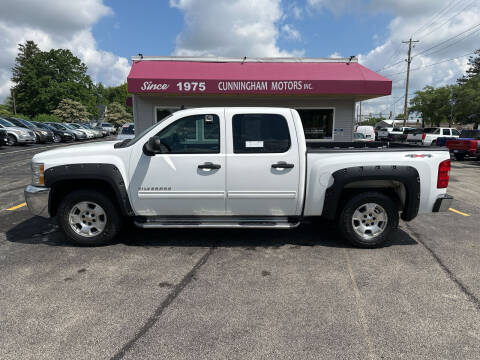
(210, 166)
(282, 165)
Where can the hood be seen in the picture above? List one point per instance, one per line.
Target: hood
(56, 156)
(17, 128)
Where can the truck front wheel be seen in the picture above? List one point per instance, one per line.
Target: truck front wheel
(88, 217)
(367, 219)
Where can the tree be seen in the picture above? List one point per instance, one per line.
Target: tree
(43, 79)
(118, 94)
(399, 117)
(117, 115)
(473, 68)
(71, 111)
(434, 104)
(467, 102)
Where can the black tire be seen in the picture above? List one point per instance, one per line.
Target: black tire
(345, 221)
(460, 157)
(434, 143)
(57, 139)
(112, 223)
(11, 140)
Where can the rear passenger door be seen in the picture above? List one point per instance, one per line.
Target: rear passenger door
(263, 165)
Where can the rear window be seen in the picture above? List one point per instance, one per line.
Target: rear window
(260, 133)
(128, 130)
(431, 130)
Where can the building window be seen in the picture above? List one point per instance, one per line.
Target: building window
(195, 134)
(260, 133)
(317, 123)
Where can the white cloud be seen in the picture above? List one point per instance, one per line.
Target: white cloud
(231, 28)
(290, 32)
(57, 24)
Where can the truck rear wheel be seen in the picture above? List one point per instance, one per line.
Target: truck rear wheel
(88, 217)
(367, 219)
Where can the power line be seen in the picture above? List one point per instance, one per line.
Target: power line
(424, 66)
(451, 17)
(435, 17)
(451, 38)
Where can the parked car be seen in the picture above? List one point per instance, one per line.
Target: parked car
(383, 133)
(3, 137)
(78, 135)
(367, 131)
(415, 136)
(78, 127)
(17, 135)
(102, 130)
(359, 137)
(109, 127)
(58, 135)
(43, 136)
(468, 144)
(430, 135)
(97, 132)
(399, 134)
(127, 131)
(176, 174)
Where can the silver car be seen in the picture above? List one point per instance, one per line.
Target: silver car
(17, 135)
(127, 131)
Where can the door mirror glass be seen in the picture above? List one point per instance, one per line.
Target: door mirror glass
(153, 146)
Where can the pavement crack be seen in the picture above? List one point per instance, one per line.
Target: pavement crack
(165, 303)
(463, 288)
(360, 307)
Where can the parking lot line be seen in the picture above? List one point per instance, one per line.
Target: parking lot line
(458, 212)
(17, 206)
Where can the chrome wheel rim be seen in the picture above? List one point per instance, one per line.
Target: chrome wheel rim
(87, 219)
(369, 220)
(57, 138)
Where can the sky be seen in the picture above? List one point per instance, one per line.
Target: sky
(104, 34)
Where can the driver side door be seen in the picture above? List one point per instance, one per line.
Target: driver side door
(188, 177)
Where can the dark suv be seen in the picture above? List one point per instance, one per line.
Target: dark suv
(43, 135)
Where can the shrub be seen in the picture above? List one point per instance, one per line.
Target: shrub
(46, 118)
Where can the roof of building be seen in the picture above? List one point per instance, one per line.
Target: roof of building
(255, 76)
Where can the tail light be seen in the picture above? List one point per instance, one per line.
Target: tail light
(424, 136)
(443, 174)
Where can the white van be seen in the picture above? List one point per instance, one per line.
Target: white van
(368, 131)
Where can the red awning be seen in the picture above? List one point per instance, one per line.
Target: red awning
(269, 77)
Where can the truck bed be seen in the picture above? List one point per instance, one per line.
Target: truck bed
(322, 147)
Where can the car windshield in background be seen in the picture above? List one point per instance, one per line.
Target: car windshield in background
(27, 123)
(359, 135)
(128, 130)
(397, 130)
(5, 122)
(59, 126)
(431, 130)
(470, 134)
(69, 126)
(107, 125)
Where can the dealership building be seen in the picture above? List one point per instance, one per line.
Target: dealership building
(324, 91)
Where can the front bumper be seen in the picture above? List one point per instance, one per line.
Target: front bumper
(37, 200)
(443, 203)
(26, 140)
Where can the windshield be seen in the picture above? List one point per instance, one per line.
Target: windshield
(69, 126)
(5, 122)
(16, 122)
(106, 125)
(41, 126)
(128, 130)
(359, 135)
(139, 136)
(58, 126)
(27, 123)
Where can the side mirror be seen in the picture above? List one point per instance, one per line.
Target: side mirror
(153, 146)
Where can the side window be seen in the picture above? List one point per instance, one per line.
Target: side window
(260, 133)
(446, 131)
(195, 134)
(455, 132)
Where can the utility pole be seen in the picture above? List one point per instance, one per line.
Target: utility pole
(360, 112)
(409, 60)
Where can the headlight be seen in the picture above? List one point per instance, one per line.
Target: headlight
(66, 134)
(38, 174)
(43, 132)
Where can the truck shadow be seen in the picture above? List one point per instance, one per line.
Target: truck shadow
(42, 231)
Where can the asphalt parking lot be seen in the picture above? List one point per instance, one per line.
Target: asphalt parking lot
(239, 294)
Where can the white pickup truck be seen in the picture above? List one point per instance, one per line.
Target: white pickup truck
(235, 168)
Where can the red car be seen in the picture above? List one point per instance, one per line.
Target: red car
(468, 144)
